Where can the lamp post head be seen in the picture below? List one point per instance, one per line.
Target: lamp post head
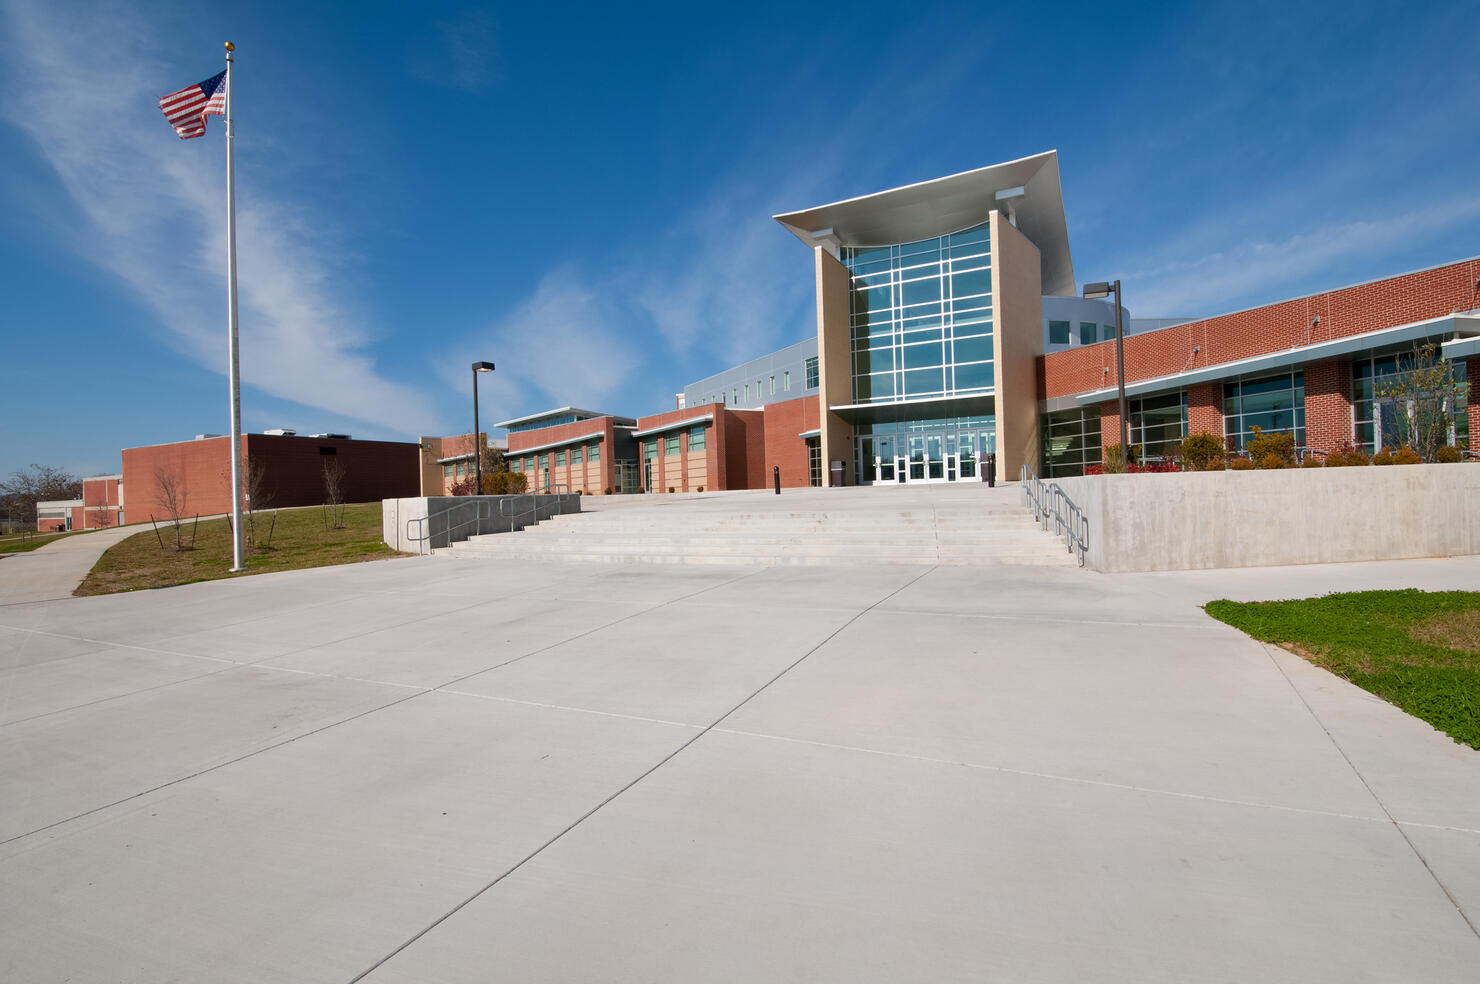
(1092, 291)
(483, 367)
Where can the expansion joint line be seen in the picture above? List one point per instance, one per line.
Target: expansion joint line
(654, 768)
(1397, 824)
(420, 692)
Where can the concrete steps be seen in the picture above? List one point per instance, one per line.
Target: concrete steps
(958, 526)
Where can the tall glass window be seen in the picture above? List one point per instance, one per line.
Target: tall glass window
(670, 444)
(811, 369)
(1271, 403)
(1058, 333)
(1158, 424)
(920, 319)
(1364, 371)
(595, 454)
(696, 438)
(1071, 441)
(1087, 332)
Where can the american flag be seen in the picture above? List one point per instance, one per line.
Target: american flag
(187, 109)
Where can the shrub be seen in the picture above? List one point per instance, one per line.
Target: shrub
(1094, 469)
(1157, 468)
(1216, 463)
(701, 488)
(1357, 459)
(1273, 460)
(1200, 448)
(1406, 456)
(608, 491)
(1241, 464)
(506, 483)
(1115, 459)
(1336, 459)
(1448, 454)
(1279, 445)
(670, 490)
(1311, 461)
(1383, 456)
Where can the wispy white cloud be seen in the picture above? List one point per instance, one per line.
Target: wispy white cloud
(561, 345)
(1187, 284)
(462, 57)
(153, 209)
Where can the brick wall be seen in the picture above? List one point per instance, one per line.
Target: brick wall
(781, 423)
(1271, 328)
(592, 480)
(101, 497)
(687, 470)
(1205, 409)
(1328, 405)
(293, 472)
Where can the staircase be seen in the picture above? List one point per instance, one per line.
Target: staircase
(965, 525)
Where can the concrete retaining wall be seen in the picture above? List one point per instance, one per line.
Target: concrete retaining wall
(1197, 520)
(459, 517)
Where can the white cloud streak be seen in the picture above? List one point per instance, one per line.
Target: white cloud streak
(155, 213)
(1185, 286)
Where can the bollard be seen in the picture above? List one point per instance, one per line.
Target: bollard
(776, 477)
(992, 470)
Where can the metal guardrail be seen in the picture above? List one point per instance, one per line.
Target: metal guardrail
(1050, 504)
(426, 533)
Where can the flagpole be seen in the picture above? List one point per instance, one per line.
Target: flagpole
(231, 331)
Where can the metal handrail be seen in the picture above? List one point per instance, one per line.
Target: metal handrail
(426, 534)
(1049, 502)
(518, 519)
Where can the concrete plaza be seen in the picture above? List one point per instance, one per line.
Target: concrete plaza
(435, 770)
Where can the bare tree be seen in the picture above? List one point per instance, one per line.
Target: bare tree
(1417, 404)
(173, 497)
(333, 494)
(39, 483)
(258, 495)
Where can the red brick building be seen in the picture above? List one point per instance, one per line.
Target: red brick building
(291, 469)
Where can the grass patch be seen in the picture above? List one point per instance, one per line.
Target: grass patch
(32, 541)
(298, 541)
(1419, 650)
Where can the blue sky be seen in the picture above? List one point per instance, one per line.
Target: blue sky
(582, 194)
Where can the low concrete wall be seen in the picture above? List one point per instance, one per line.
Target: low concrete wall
(1197, 520)
(459, 517)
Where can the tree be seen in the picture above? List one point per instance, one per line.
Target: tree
(1417, 404)
(333, 473)
(258, 495)
(39, 483)
(101, 510)
(174, 497)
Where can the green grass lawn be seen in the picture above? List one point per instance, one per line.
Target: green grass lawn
(1417, 649)
(299, 540)
(17, 543)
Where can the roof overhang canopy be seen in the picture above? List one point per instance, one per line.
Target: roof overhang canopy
(563, 442)
(675, 425)
(1031, 191)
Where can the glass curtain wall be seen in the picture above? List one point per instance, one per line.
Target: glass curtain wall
(1158, 424)
(1071, 441)
(920, 318)
(1274, 404)
(1365, 371)
(939, 449)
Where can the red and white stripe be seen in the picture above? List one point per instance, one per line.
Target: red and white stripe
(187, 109)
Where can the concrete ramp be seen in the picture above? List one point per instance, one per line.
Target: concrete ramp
(962, 525)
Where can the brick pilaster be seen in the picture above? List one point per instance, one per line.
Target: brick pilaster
(1205, 409)
(1328, 405)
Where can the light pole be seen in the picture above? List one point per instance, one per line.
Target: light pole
(1092, 291)
(478, 451)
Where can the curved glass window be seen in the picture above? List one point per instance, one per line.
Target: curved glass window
(920, 318)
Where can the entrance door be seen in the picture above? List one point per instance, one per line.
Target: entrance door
(935, 459)
(966, 461)
(917, 465)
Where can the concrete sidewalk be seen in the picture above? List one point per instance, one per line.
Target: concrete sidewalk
(421, 771)
(55, 570)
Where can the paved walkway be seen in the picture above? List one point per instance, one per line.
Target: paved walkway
(419, 770)
(55, 570)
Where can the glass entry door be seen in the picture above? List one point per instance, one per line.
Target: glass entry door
(917, 458)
